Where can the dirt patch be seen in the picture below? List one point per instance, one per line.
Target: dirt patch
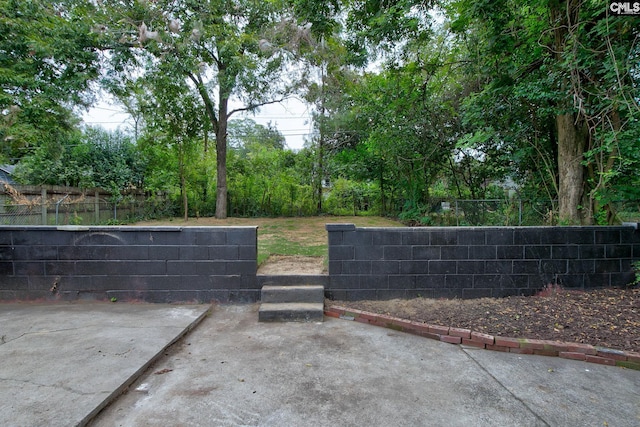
(603, 317)
(281, 265)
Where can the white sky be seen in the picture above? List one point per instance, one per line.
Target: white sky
(292, 118)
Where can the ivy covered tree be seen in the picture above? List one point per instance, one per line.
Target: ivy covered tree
(561, 84)
(545, 92)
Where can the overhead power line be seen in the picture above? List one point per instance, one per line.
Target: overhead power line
(105, 123)
(109, 109)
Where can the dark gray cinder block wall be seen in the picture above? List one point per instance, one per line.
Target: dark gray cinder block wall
(155, 264)
(472, 262)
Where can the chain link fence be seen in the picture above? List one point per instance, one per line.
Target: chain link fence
(51, 205)
(506, 212)
(488, 212)
(627, 211)
(515, 212)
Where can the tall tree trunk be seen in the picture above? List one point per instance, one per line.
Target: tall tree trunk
(219, 125)
(320, 173)
(383, 202)
(321, 142)
(598, 172)
(570, 129)
(221, 158)
(571, 144)
(205, 187)
(183, 187)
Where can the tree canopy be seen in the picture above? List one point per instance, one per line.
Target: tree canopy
(414, 103)
(48, 60)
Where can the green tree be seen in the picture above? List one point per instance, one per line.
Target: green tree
(47, 62)
(269, 181)
(245, 134)
(175, 119)
(112, 159)
(547, 92)
(56, 164)
(231, 53)
(398, 127)
(94, 158)
(565, 71)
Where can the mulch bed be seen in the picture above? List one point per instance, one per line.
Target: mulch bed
(603, 317)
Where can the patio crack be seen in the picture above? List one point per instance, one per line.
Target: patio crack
(483, 369)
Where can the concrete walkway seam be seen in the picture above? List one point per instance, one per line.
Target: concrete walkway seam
(506, 389)
(137, 374)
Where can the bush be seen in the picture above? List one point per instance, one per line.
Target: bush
(348, 197)
(636, 267)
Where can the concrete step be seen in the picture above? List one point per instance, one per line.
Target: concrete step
(291, 312)
(294, 279)
(292, 293)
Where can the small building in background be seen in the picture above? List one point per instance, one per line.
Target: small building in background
(5, 174)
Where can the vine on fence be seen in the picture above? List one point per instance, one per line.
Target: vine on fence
(65, 207)
(19, 199)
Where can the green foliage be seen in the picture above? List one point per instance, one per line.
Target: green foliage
(76, 219)
(400, 134)
(379, 26)
(246, 134)
(347, 197)
(636, 268)
(47, 63)
(322, 15)
(266, 181)
(567, 58)
(95, 158)
(414, 214)
(492, 91)
(112, 159)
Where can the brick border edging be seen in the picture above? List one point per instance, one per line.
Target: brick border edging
(574, 351)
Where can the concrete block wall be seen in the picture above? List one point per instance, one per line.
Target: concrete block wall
(155, 264)
(473, 262)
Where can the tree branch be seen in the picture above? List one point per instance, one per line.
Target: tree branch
(252, 107)
(206, 99)
(215, 58)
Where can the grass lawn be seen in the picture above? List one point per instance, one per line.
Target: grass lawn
(285, 236)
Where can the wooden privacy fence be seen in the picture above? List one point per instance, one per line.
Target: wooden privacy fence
(56, 205)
